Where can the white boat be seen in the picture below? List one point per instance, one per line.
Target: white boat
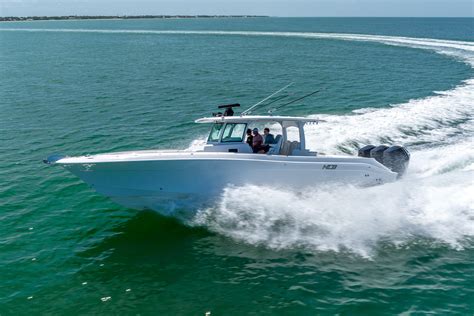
(170, 180)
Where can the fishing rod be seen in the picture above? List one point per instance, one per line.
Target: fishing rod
(265, 99)
(278, 99)
(293, 101)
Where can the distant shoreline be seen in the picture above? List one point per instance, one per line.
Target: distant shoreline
(120, 17)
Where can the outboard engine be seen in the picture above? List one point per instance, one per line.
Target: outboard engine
(377, 153)
(396, 158)
(365, 151)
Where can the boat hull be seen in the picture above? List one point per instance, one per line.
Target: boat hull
(171, 183)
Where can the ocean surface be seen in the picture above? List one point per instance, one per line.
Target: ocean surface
(85, 87)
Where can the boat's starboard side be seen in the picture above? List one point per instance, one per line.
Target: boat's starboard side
(158, 155)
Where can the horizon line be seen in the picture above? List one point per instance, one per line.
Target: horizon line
(155, 16)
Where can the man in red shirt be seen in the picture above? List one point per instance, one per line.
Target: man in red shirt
(257, 141)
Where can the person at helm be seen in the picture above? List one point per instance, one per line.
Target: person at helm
(249, 139)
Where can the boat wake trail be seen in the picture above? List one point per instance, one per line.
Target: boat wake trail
(443, 119)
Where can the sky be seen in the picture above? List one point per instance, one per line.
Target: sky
(284, 8)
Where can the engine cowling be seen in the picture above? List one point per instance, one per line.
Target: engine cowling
(377, 153)
(365, 151)
(396, 158)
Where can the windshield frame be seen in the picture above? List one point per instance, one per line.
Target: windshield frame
(232, 127)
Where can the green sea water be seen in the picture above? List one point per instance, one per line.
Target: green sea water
(85, 87)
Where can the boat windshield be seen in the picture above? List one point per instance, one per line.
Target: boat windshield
(234, 132)
(215, 131)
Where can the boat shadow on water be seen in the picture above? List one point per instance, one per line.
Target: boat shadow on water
(146, 236)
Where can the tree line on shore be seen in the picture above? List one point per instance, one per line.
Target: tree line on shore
(97, 17)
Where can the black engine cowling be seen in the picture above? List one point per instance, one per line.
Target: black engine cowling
(365, 151)
(377, 153)
(396, 158)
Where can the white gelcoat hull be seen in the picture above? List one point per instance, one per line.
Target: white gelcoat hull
(171, 181)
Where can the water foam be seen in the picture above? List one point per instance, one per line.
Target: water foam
(434, 202)
(444, 118)
(439, 209)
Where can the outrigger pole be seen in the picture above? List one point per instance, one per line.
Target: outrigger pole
(293, 101)
(260, 102)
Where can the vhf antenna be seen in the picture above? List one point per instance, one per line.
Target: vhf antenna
(260, 102)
